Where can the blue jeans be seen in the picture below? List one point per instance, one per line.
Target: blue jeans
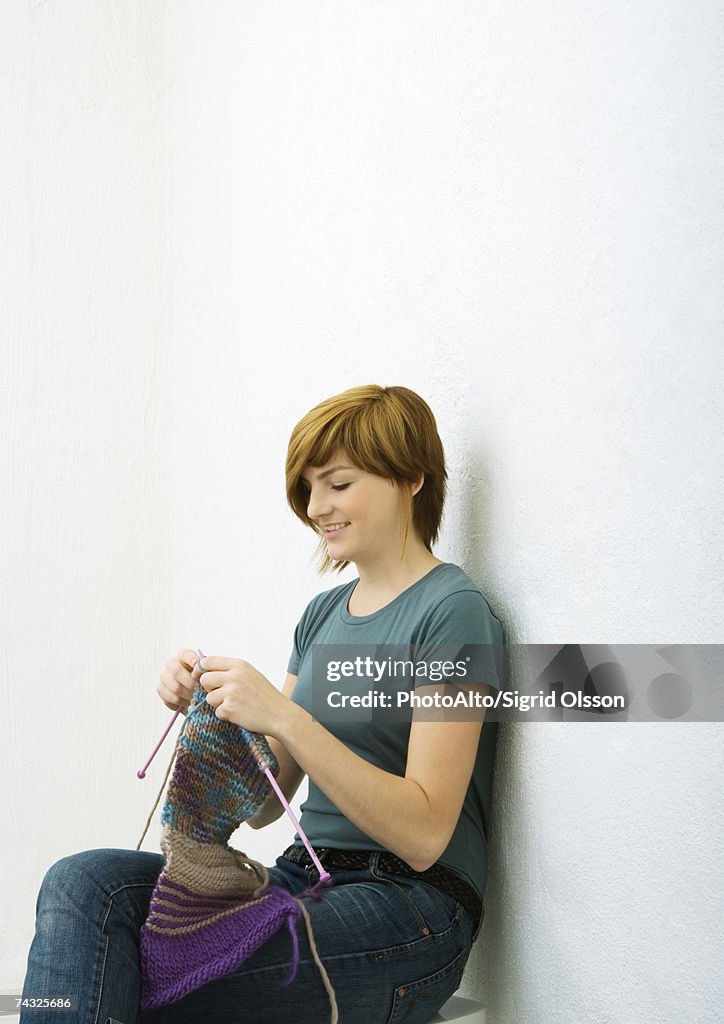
(394, 949)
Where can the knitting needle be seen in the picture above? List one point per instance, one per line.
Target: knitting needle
(141, 773)
(323, 875)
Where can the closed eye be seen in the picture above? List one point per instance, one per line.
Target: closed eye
(335, 487)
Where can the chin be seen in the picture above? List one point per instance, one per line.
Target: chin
(339, 553)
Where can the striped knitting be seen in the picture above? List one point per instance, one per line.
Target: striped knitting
(212, 906)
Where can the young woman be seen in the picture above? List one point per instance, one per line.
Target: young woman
(397, 808)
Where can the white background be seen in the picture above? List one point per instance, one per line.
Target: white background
(215, 214)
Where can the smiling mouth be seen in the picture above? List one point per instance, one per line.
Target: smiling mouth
(333, 529)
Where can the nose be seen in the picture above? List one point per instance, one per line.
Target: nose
(317, 504)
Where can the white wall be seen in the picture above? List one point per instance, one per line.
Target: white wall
(87, 579)
(219, 214)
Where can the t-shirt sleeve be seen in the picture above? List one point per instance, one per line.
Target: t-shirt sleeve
(462, 630)
(295, 658)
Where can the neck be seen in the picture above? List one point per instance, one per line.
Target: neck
(384, 574)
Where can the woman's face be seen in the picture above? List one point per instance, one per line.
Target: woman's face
(359, 514)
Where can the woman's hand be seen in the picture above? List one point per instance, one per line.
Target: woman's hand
(242, 695)
(176, 686)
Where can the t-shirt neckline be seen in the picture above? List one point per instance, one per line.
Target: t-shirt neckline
(359, 619)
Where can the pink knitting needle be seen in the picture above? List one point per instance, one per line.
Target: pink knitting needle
(323, 875)
(141, 773)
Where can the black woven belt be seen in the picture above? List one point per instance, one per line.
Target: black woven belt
(438, 876)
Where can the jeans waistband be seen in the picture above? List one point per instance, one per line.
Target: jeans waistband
(438, 876)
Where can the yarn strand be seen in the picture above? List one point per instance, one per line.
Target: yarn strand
(318, 961)
(163, 784)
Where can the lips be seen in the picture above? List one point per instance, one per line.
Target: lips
(333, 530)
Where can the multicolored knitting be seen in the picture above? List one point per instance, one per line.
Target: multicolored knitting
(213, 906)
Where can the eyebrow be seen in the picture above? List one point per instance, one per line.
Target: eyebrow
(327, 472)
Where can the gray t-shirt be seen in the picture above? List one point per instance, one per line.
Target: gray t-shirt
(444, 607)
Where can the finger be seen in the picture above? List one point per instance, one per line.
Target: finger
(214, 698)
(215, 663)
(202, 666)
(212, 680)
(172, 692)
(182, 679)
(176, 671)
(204, 663)
(187, 658)
(173, 704)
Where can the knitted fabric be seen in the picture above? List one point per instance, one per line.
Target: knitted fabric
(212, 906)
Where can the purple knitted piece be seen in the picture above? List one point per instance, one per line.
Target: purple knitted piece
(175, 965)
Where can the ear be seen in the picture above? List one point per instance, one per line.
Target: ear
(417, 486)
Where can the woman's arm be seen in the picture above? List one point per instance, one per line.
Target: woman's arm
(412, 816)
(290, 774)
